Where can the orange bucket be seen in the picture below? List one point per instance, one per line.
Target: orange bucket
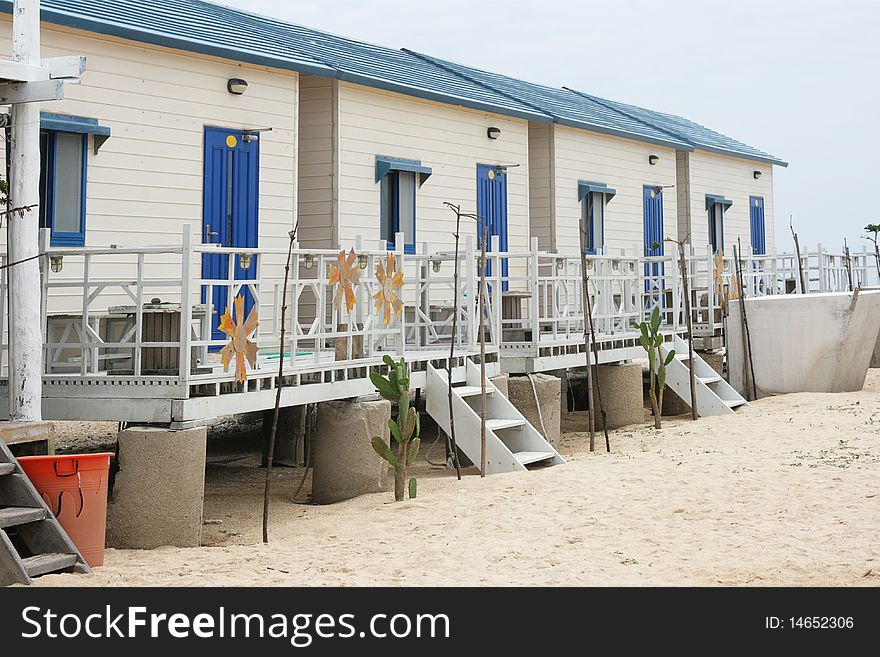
(75, 489)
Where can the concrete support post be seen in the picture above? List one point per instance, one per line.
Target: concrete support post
(25, 338)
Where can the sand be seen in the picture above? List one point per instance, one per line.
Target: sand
(782, 493)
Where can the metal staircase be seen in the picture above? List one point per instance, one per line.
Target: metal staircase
(715, 396)
(512, 443)
(32, 542)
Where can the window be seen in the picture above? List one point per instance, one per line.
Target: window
(62, 186)
(592, 222)
(398, 208)
(716, 227)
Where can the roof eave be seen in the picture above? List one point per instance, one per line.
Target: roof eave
(108, 28)
(769, 159)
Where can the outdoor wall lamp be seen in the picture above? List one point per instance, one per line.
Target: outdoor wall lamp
(56, 262)
(653, 159)
(493, 133)
(615, 265)
(362, 261)
(236, 86)
(560, 264)
(756, 174)
(245, 259)
(435, 265)
(308, 261)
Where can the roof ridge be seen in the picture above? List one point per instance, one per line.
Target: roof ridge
(605, 104)
(440, 64)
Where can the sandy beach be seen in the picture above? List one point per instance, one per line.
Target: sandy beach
(782, 493)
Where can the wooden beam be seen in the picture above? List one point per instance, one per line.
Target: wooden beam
(21, 72)
(65, 68)
(31, 92)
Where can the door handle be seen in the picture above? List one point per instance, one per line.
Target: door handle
(209, 234)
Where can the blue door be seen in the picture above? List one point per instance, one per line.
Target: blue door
(653, 206)
(230, 210)
(756, 216)
(492, 210)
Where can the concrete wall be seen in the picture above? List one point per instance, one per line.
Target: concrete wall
(731, 177)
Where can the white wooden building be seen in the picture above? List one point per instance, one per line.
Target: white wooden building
(201, 135)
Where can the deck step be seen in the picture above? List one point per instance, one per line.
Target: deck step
(498, 425)
(19, 515)
(6, 468)
(50, 562)
(709, 379)
(734, 403)
(471, 391)
(533, 457)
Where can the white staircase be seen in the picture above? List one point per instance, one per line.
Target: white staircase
(512, 443)
(715, 396)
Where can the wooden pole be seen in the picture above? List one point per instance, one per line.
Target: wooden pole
(797, 250)
(278, 387)
(482, 306)
(682, 265)
(848, 263)
(450, 439)
(595, 372)
(747, 341)
(25, 326)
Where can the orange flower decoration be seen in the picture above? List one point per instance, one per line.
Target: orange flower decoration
(239, 343)
(391, 280)
(346, 275)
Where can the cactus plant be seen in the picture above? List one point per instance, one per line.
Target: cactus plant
(404, 431)
(651, 339)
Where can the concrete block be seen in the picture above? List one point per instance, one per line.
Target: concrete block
(344, 464)
(288, 438)
(28, 438)
(500, 382)
(159, 491)
(521, 394)
(875, 357)
(805, 342)
(622, 395)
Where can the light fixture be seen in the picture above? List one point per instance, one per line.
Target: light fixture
(653, 159)
(236, 86)
(308, 261)
(435, 265)
(362, 261)
(56, 262)
(615, 265)
(560, 263)
(245, 259)
(756, 174)
(493, 133)
(589, 264)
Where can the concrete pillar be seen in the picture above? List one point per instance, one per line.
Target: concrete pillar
(500, 382)
(344, 464)
(289, 438)
(159, 491)
(622, 395)
(544, 412)
(875, 357)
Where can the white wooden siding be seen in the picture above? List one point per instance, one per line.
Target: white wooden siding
(450, 140)
(731, 177)
(621, 164)
(146, 181)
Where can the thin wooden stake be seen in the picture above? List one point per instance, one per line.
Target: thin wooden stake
(848, 264)
(747, 340)
(278, 387)
(451, 445)
(682, 266)
(797, 249)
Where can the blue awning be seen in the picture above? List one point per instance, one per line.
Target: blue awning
(712, 199)
(76, 124)
(384, 165)
(585, 188)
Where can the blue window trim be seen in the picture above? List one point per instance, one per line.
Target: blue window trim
(600, 198)
(385, 165)
(586, 187)
(391, 178)
(59, 238)
(712, 199)
(75, 124)
(716, 241)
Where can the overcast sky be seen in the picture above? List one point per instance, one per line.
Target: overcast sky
(798, 79)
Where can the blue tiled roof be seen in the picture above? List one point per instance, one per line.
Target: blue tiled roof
(211, 29)
(697, 135)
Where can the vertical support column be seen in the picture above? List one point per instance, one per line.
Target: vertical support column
(25, 338)
(186, 302)
(534, 291)
(424, 293)
(45, 239)
(471, 287)
(399, 248)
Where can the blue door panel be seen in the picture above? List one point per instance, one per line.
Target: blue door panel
(756, 219)
(653, 216)
(492, 211)
(230, 211)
